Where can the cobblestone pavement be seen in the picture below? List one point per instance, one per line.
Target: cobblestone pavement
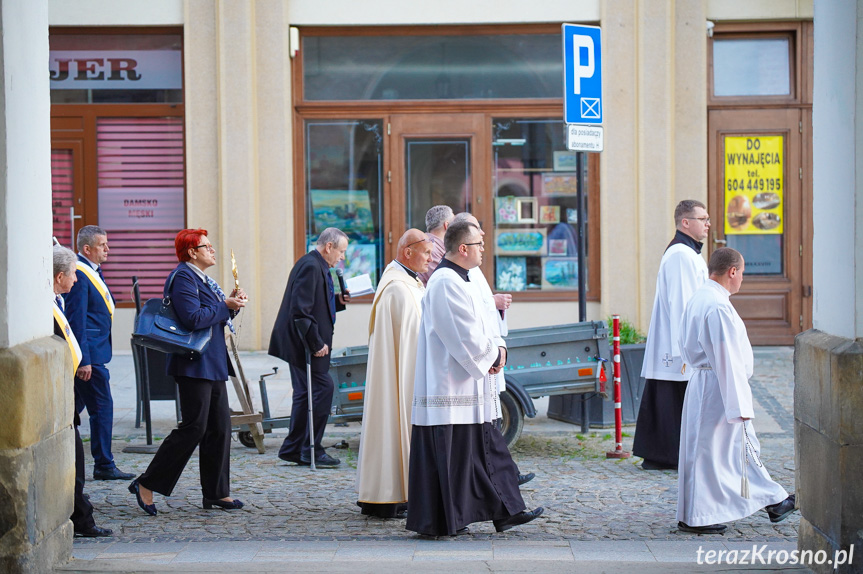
(586, 496)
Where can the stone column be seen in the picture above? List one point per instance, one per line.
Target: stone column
(238, 147)
(828, 360)
(655, 154)
(36, 439)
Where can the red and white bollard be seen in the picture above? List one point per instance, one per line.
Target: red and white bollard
(618, 451)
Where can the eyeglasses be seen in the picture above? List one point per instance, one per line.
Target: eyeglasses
(415, 242)
(701, 219)
(209, 248)
(477, 243)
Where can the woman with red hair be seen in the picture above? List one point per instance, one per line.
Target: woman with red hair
(200, 304)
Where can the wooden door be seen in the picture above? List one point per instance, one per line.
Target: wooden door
(438, 159)
(68, 205)
(756, 202)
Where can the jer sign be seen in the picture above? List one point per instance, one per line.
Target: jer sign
(582, 74)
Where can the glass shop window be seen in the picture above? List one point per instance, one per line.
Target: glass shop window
(116, 68)
(535, 239)
(344, 162)
(432, 67)
(752, 66)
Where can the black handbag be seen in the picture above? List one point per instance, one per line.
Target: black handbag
(158, 328)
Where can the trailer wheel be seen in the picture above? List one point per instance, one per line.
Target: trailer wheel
(513, 418)
(246, 439)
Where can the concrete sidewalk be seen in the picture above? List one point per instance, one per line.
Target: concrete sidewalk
(600, 513)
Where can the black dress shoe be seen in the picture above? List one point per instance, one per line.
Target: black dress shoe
(780, 511)
(462, 531)
(209, 503)
(112, 474)
(711, 529)
(294, 458)
(525, 478)
(94, 532)
(522, 517)
(135, 489)
(322, 460)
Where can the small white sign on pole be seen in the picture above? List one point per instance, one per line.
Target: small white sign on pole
(584, 138)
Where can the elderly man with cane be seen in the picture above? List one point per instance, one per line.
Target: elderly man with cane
(302, 337)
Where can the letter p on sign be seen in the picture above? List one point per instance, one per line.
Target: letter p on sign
(582, 74)
(582, 68)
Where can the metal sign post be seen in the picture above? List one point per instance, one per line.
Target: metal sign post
(582, 111)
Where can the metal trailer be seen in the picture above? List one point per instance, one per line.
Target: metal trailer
(541, 361)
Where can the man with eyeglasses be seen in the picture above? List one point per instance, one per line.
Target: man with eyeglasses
(394, 325)
(460, 468)
(310, 294)
(682, 271)
(90, 310)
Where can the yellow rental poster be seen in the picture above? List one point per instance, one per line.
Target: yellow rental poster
(754, 185)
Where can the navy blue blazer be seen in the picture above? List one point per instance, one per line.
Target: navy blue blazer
(198, 307)
(306, 296)
(90, 320)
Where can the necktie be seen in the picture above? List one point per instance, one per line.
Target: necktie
(60, 303)
(332, 293)
(214, 287)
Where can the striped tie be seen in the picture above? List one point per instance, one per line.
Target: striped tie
(214, 287)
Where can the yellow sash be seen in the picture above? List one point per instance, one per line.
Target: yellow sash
(69, 336)
(99, 285)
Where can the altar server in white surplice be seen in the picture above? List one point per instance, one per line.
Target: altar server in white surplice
(460, 469)
(382, 470)
(721, 476)
(682, 270)
(495, 307)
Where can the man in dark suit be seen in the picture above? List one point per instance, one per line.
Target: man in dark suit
(310, 295)
(90, 310)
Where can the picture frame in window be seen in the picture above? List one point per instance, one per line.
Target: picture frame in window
(549, 214)
(565, 160)
(506, 210)
(511, 274)
(557, 248)
(559, 273)
(519, 241)
(557, 184)
(526, 209)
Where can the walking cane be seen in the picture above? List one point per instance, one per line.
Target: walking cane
(303, 326)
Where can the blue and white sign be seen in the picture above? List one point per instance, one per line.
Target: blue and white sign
(582, 74)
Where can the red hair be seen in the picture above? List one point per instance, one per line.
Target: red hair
(187, 239)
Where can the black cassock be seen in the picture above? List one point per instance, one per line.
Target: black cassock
(459, 474)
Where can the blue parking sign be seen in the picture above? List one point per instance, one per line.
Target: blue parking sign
(582, 74)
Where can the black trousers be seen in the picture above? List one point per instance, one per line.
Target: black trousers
(657, 430)
(297, 442)
(82, 512)
(206, 422)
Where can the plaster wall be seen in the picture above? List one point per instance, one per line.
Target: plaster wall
(25, 174)
(114, 13)
(837, 209)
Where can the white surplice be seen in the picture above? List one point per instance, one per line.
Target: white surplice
(496, 319)
(455, 350)
(382, 467)
(681, 272)
(716, 350)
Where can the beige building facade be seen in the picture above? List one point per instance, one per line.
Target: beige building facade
(249, 123)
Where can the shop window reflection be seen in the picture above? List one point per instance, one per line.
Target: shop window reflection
(535, 209)
(343, 189)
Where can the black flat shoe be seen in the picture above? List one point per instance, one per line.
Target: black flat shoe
(781, 510)
(94, 532)
(653, 465)
(711, 529)
(293, 458)
(209, 503)
(112, 474)
(322, 460)
(522, 517)
(525, 478)
(148, 508)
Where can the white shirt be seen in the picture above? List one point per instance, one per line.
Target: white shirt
(681, 272)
